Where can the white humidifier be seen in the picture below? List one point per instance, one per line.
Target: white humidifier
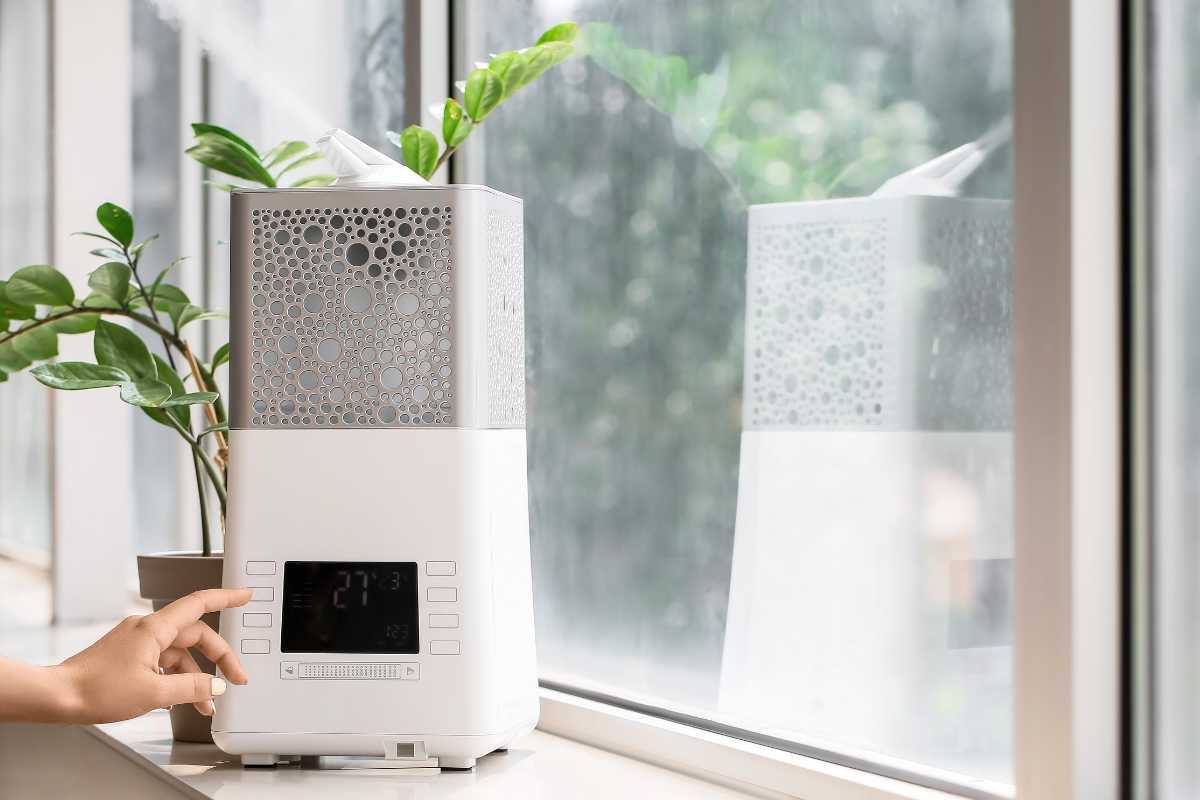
(378, 496)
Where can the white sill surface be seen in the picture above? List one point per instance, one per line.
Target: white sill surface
(540, 765)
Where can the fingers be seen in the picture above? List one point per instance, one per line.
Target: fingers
(178, 660)
(216, 649)
(166, 623)
(189, 687)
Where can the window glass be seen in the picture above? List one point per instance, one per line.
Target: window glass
(24, 239)
(1174, 387)
(770, 415)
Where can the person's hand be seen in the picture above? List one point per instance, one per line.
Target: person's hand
(119, 677)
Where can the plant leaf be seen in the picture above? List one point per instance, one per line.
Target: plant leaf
(455, 124)
(153, 290)
(35, 344)
(299, 162)
(220, 357)
(117, 221)
(314, 180)
(111, 279)
(145, 392)
(221, 428)
(511, 68)
(420, 150)
(135, 252)
(3, 376)
(75, 375)
(225, 155)
(168, 376)
(190, 313)
(116, 346)
(485, 90)
(39, 284)
(224, 187)
(190, 399)
(13, 310)
(97, 300)
(76, 323)
(110, 253)
(562, 32)
(10, 359)
(204, 127)
(542, 57)
(284, 151)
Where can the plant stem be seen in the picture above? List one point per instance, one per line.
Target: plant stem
(214, 475)
(205, 537)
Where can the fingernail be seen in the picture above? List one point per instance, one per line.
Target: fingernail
(218, 687)
(208, 708)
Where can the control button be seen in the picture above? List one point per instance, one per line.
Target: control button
(256, 620)
(444, 648)
(410, 672)
(256, 647)
(262, 594)
(260, 567)
(439, 568)
(443, 620)
(289, 670)
(442, 594)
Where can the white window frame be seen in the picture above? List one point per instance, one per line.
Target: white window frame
(1067, 326)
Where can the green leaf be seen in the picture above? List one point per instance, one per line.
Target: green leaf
(314, 180)
(10, 359)
(511, 68)
(11, 309)
(225, 155)
(35, 344)
(3, 376)
(120, 347)
(40, 284)
(220, 357)
(99, 236)
(111, 253)
(135, 252)
(224, 187)
(299, 162)
(190, 399)
(158, 281)
(455, 124)
(562, 32)
(146, 392)
(190, 313)
(97, 300)
(542, 57)
(420, 150)
(111, 280)
(221, 428)
(285, 151)
(75, 375)
(199, 128)
(168, 376)
(76, 323)
(116, 221)
(485, 90)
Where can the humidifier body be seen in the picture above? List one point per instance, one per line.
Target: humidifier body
(378, 495)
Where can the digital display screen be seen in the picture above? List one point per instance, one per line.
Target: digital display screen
(350, 607)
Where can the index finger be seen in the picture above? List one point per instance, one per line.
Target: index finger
(169, 620)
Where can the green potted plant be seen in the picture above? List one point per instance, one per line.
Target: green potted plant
(178, 388)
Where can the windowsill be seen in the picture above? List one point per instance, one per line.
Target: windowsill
(541, 764)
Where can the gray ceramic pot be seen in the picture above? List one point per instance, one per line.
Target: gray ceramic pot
(163, 578)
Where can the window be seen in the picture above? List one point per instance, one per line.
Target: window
(24, 239)
(786, 507)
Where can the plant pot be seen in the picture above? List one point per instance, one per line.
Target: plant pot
(164, 578)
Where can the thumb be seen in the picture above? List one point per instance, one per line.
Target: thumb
(189, 687)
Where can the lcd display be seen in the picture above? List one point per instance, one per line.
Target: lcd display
(349, 607)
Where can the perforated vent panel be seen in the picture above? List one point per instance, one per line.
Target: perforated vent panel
(351, 317)
(506, 320)
(815, 324)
